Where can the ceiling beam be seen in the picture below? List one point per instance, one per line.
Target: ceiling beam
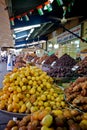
(43, 32)
(9, 7)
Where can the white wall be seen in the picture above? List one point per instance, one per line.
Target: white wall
(5, 32)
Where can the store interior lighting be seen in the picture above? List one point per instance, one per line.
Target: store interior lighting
(21, 37)
(50, 45)
(31, 31)
(56, 46)
(31, 44)
(26, 28)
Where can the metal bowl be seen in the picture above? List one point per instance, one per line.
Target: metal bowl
(12, 114)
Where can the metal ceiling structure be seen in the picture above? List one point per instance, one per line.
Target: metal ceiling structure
(19, 8)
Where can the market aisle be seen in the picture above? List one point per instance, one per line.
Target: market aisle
(3, 71)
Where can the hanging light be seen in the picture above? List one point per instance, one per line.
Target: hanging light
(12, 21)
(39, 8)
(48, 6)
(60, 2)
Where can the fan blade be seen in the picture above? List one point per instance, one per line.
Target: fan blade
(73, 18)
(55, 18)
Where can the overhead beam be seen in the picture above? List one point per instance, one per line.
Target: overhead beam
(42, 33)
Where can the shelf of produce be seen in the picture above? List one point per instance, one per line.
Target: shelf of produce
(71, 106)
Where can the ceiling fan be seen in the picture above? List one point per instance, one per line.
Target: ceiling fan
(65, 20)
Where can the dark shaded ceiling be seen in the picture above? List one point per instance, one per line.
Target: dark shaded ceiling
(20, 7)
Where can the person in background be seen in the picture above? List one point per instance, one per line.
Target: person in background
(0, 57)
(9, 62)
(78, 58)
(13, 59)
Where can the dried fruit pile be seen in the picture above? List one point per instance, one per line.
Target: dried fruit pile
(65, 60)
(41, 59)
(50, 59)
(82, 70)
(29, 89)
(62, 67)
(19, 62)
(56, 120)
(59, 72)
(76, 93)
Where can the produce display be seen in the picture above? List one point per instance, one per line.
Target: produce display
(61, 72)
(62, 68)
(19, 62)
(50, 59)
(32, 91)
(65, 119)
(65, 60)
(34, 60)
(41, 59)
(46, 68)
(28, 57)
(76, 93)
(82, 67)
(29, 89)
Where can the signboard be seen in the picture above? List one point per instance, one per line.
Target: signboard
(66, 36)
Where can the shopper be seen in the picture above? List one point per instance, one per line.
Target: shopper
(9, 62)
(13, 59)
(0, 58)
(78, 58)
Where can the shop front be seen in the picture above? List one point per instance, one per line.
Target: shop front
(70, 43)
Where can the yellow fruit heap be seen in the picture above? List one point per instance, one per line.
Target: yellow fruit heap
(29, 89)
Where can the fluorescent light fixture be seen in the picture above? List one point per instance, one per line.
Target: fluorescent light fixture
(56, 46)
(77, 45)
(21, 37)
(26, 38)
(33, 43)
(21, 45)
(31, 31)
(29, 35)
(77, 42)
(50, 45)
(26, 28)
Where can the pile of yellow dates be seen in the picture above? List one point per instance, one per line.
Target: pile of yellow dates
(28, 89)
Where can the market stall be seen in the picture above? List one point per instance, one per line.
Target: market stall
(36, 101)
(44, 91)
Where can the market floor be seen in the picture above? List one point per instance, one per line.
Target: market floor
(4, 118)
